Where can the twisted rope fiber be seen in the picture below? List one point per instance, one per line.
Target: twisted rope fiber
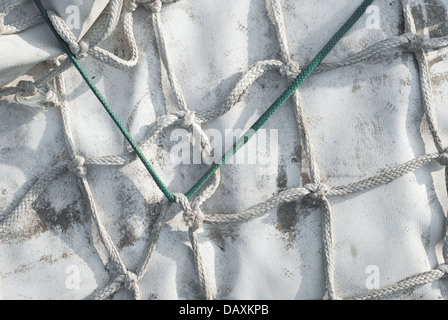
(290, 70)
(130, 279)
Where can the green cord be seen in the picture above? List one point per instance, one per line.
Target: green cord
(253, 129)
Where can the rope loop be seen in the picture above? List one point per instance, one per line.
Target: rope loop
(290, 70)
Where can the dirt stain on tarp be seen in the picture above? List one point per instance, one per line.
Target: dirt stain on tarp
(62, 219)
(221, 234)
(147, 215)
(431, 14)
(291, 215)
(143, 213)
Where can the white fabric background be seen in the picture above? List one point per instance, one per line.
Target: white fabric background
(362, 119)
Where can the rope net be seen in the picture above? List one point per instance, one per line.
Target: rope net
(51, 90)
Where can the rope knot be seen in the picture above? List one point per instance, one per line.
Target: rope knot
(81, 49)
(443, 158)
(77, 166)
(443, 267)
(130, 280)
(28, 88)
(155, 6)
(193, 218)
(415, 42)
(130, 5)
(188, 117)
(290, 70)
(317, 190)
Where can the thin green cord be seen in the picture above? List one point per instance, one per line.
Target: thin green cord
(103, 101)
(284, 96)
(253, 129)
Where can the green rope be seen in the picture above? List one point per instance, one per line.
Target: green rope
(253, 129)
(106, 106)
(284, 96)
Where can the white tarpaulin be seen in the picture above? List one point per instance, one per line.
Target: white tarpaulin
(36, 44)
(361, 119)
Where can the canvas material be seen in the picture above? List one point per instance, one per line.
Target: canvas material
(362, 119)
